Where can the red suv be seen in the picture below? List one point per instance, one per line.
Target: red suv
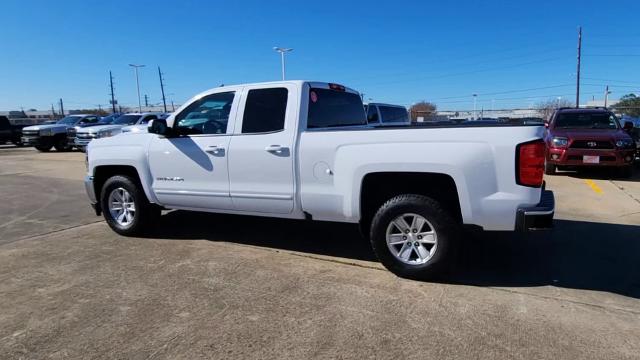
(588, 137)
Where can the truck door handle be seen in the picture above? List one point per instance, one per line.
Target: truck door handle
(215, 150)
(278, 149)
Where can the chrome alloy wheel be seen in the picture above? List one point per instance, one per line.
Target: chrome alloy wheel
(122, 207)
(412, 239)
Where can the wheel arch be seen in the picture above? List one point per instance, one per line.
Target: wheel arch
(102, 173)
(378, 187)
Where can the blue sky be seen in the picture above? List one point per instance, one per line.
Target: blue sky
(511, 53)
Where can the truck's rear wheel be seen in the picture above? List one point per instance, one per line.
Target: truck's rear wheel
(413, 236)
(125, 206)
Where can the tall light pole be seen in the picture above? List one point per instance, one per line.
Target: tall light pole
(135, 67)
(606, 95)
(475, 97)
(282, 51)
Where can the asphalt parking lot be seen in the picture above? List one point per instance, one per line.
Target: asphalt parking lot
(207, 285)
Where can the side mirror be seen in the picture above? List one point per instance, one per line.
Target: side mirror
(546, 124)
(159, 126)
(628, 126)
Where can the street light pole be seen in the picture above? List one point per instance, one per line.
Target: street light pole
(282, 51)
(135, 67)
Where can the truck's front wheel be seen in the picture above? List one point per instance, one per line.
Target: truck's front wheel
(413, 236)
(44, 145)
(125, 206)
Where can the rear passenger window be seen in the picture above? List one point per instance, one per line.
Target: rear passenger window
(372, 115)
(331, 108)
(265, 110)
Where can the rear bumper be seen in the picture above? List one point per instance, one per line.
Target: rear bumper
(539, 217)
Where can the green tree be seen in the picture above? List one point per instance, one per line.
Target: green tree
(629, 105)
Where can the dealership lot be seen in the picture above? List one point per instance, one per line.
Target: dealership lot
(209, 285)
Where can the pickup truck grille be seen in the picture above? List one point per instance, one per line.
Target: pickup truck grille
(30, 132)
(84, 136)
(591, 144)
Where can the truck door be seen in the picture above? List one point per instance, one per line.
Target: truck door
(191, 171)
(261, 154)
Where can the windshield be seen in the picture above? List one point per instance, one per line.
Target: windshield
(331, 108)
(393, 114)
(69, 120)
(586, 121)
(127, 120)
(107, 119)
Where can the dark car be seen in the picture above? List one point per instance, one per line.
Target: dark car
(10, 132)
(588, 137)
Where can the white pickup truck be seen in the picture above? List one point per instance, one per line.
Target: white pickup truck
(303, 150)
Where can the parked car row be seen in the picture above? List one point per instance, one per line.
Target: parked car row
(77, 130)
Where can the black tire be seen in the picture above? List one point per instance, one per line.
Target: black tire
(44, 145)
(62, 144)
(445, 226)
(145, 212)
(549, 169)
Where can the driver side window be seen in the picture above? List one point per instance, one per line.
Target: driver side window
(208, 115)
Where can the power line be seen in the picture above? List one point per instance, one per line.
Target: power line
(504, 92)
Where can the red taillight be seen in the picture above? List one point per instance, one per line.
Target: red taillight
(530, 163)
(336, 87)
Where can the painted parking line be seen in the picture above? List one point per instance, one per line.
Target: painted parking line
(593, 186)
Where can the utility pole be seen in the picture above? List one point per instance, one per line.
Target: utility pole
(113, 97)
(53, 111)
(146, 100)
(173, 108)
(578, 71)
(606, 95)
(164, 100)
(475, 97)
(61, 108)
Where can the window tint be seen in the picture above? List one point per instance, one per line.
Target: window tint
(90, 120)
(586, 120)
(372, 115)
(330, 108)
(392, 114)
(265, 110)
(208, 115)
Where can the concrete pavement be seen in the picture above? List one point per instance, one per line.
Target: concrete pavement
(214, 286)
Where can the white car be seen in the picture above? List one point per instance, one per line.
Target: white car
(84, 136)
(142, 126)
(304, 150)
